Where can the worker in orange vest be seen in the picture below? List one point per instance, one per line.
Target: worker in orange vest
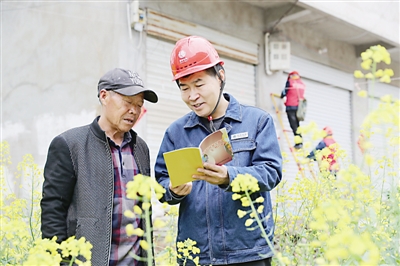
(328, 161)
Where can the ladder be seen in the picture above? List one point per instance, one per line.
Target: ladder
(292, 150)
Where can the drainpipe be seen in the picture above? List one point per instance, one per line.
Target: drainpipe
(266, 51)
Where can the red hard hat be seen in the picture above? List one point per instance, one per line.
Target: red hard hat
(294, 74)
(192, 54)
(328, 130)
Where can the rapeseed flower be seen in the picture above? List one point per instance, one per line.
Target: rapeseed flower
(358, 74)
(244, 183)
(370, 58)
(144, 244)
(362, 93)
(186, 251)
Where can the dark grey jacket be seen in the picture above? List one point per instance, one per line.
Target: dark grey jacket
(78, 187)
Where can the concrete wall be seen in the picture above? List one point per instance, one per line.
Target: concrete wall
(380, 18)
(53, 54)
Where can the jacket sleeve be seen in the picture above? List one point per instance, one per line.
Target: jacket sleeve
(58, 188)
(321, 145)
(266, 160)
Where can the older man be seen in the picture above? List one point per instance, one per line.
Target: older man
(87, 168)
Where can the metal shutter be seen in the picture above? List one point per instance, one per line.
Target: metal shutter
(240, 83)
(381, 143)
(327, 106)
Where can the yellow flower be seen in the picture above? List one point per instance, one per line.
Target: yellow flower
(315, 243)
(369, 76)
(158, 223)
(388, 72)
(320, 261)
(169, 238)
(259, 200)
(236, 196)
(366, 64)
(369, 159)
(245, 202)
(358, 74)
(137, 209)
(144, 244)
(385, 79)
(186, 250)
(386, 98)
(298, 139)
(249, 222)
(362, 93)
(241, 213)
(141, 188)
(146, 205)
(196, 260)
(366, 55)
(379, 73)
(129, 229)
(244, 183)
(380, 54)
(129, 213)
(139, 232)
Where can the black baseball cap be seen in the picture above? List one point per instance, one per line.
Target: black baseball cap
(126, 83)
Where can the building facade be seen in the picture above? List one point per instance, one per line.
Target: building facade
(53, 54)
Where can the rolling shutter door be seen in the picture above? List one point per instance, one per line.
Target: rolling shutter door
(327, 105)
(381, 147)
(240, 83)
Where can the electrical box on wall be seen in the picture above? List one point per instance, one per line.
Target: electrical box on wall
(137, 16)
(279, 55)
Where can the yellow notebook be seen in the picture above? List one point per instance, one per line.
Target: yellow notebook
(182, 164)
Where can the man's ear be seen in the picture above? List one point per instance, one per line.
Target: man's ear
(103, 96)
(222, 74)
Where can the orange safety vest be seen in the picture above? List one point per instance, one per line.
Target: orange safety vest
(294, 92)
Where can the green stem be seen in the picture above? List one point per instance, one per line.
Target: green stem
(276, 207)
(148, 237)
(71, 262)
(31, 208)
(383, 184)
(297, 215)
(263, 233)
(309, 210)
(371, 96)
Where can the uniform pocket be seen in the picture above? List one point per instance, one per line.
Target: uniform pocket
(243, 150)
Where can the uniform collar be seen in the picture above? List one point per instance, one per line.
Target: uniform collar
(96, 129)
(234, 112)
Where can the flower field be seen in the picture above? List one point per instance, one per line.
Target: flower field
(352, 218)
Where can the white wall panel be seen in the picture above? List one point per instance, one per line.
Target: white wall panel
(327, 106)
(322, 73)
(382, 150)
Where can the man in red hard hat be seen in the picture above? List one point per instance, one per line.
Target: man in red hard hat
(294, 91)
(207, 212)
